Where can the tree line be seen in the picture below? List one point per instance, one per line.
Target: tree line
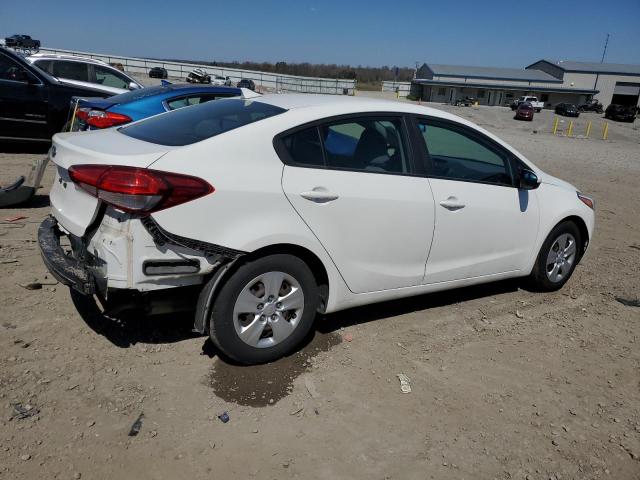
(364, 75)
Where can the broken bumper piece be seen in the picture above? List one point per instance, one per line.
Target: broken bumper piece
(66, 269)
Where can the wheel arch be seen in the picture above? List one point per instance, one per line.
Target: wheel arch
(316, 266)
(216, 280)
(582, 228)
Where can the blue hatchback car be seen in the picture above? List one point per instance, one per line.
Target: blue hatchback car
(95, 113)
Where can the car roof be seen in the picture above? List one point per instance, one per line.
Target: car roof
(347, 103)
(73, 58)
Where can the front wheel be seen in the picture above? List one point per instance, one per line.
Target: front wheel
(557, 258)
(265, 309)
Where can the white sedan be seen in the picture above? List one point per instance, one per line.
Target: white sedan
(260, 213)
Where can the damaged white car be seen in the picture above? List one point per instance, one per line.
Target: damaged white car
(260, 213)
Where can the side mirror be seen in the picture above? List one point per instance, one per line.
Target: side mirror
(528, 179)
(133, 86)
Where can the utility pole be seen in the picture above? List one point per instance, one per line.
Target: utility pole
(604, 52)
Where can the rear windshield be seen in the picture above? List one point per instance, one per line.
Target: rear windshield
(199, 122)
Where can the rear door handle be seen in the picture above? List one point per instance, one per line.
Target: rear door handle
(452, 203)
(319, 196)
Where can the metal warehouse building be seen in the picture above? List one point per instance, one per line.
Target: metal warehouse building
(552, 83)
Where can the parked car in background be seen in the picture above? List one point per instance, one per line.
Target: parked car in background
(591, 106)
(198, 75)
(97, 113)
(85, 71)
(533, 101)
(221, 81)
(158, 72)
(247, 83)
(524, 112)
(22, 41)
(620, 113)
(260, 213)
(35, 105)
(567, 110)
(465, 101)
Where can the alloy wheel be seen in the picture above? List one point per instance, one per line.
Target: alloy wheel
(268, 309)
(561, 257)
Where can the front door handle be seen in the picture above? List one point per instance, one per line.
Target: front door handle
(319, 196)
(452, 203)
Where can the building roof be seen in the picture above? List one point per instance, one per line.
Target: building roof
(492, 73)
(520, 88)
(593, 67)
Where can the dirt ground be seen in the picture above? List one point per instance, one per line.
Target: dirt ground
(506, 384)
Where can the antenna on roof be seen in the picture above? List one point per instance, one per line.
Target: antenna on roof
(604, 52)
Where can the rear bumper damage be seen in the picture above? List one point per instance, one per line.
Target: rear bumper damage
(65, 268)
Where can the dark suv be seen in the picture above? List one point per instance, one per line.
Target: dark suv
(620, 113)
(35, 105)
(21, 41)
(247, 83)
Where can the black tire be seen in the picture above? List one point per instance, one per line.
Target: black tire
(221, 323)
(538, 280)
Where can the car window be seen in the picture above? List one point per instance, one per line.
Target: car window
(109, 78)
(9, 69)
(176, 103)
(71, 70)
(457, 154)
(190, 125)
(369, 144)
(46, 65)
(304, 147)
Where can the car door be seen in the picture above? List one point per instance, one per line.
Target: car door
(353, 181)
(484, 224)
(23, 103)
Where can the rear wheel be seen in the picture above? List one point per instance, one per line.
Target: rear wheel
(557, 258)
(265, 309)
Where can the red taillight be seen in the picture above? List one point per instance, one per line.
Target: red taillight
(138, 189)
(102, 119)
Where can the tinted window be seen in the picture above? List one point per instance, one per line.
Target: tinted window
(45, 65)
(305, 148)
(71, 70)
(176, 103)
(369, 144)
(109, 78)
(459, 155)
(9, 70)
(190, 125)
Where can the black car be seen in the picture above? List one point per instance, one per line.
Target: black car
(35, 105)
(21, 41)
(158, 72)
(567, 110)
(591, 106)
(246, 83)
(620, 113)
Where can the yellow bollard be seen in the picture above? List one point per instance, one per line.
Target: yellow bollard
(605, 131)
(555, 125)
(588, 130)
(570, 132)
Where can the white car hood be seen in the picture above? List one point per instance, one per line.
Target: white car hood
(551, 180)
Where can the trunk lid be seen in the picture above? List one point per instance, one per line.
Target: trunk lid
(73, 207)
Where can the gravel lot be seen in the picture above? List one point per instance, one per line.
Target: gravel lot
(507, 384)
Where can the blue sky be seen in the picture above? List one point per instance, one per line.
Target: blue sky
(464, 32)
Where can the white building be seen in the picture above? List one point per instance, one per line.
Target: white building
(615, 83)
(552, 83)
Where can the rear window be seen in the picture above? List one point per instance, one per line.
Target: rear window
(199, 122)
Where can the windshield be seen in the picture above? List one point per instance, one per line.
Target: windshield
(199, 122)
